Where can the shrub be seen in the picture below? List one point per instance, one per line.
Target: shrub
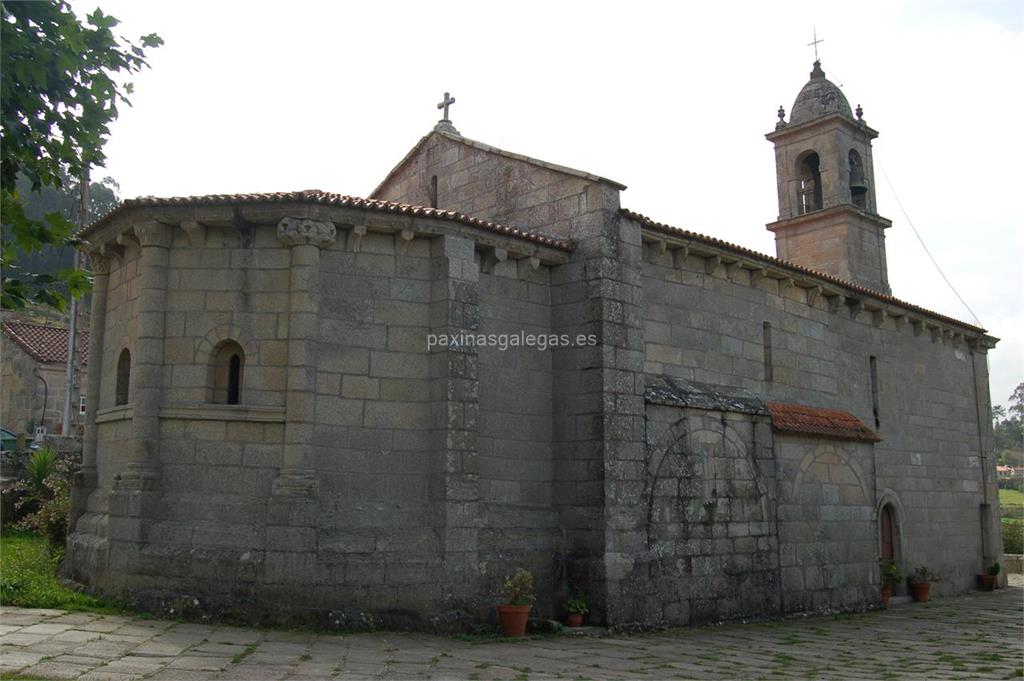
(519, 588)
(576, 605)
(1013, 537)
(47, 497)
(890, 571)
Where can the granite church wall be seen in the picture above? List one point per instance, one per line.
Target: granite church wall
(503, 188)
(705, 320)
(520, 526)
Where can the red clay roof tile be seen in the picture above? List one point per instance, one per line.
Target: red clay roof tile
(828, 423)
(48, 344)
(320, 197)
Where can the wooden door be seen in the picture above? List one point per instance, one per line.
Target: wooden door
(885, 522)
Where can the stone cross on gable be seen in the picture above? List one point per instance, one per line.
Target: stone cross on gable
(445, 125)
(448, 101)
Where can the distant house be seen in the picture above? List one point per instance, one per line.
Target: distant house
(33, 358)
(1005, 472)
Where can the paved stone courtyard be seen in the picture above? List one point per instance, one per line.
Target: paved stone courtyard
(977, 636)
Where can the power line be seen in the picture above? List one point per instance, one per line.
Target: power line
(925, 246)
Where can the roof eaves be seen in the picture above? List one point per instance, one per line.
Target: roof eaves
(762, 257)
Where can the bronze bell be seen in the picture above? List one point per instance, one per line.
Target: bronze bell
(858, 185)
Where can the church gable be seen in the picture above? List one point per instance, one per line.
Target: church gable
(451, 172)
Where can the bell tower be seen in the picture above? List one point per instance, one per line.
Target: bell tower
(828, 219)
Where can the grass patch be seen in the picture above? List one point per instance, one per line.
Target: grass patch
(28, 578)
(1011, 497)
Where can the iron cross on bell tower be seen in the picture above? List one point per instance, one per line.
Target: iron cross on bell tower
(445, 125)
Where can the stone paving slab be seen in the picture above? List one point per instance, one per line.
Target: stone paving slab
(977, 636)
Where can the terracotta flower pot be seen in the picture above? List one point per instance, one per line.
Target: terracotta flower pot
(920, 591)
(886, 595)
(987, 582)
(574, 619)
(513, 619)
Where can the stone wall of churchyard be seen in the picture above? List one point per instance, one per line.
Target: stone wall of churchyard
(705, 321)
(520, 527)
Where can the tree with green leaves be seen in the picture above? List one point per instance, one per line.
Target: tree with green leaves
(61, 84)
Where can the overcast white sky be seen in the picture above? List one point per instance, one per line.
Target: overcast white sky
(671, 99)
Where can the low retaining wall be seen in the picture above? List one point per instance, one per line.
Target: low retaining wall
(1014, 563)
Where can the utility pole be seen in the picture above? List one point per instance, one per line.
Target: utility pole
(69, 386)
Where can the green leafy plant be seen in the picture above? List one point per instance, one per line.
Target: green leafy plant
(47, 496)
(994, 569)
(62, 82)
(519, 588)
(923, 574)
(891, 575)
(576, 605)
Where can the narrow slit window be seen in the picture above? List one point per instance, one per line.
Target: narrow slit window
(875, 410)
(227, 373)
(124, 375)
(768, 369)
(433, 191)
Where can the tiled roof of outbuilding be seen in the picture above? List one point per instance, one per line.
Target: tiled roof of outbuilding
(48, 344)
(327, 198)
(829, 423)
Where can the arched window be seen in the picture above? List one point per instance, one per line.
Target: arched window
(858, 183)
(226, 373)
(124, 376)
(809, 191)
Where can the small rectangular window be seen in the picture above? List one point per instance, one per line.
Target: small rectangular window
(81, 405)
(875, 409)
(768, 370)
(433, 191)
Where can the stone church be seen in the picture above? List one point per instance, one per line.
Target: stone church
(309, 406)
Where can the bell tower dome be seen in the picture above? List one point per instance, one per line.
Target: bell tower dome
(828, 219)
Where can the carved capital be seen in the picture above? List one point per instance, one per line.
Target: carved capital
(152, 234)
(99, 261)
(298, 231)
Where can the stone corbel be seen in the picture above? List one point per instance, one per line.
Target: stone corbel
(303, 231)
(878, 317)
(196, 232)
(355, 237)
(918, 326)
(491, 257)
(958, 340)
(711, 263)
(152, 233)
(526, 265)
(786, 284)
(679, 256)
(898, 318)
(402, 241)
(856, 306)
(936, 333)
(756, 276)
(812, 294)
(655, 250)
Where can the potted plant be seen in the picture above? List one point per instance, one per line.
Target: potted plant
(891, 576)
(575, 608)
(987, 581)
(519, 597)
(920, 582)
